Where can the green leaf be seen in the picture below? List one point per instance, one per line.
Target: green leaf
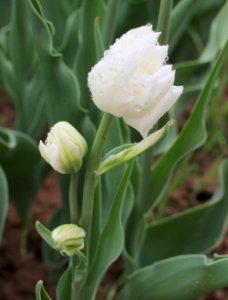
(128, 152)
(8, 78)
(62, 90)
(218, 35)
(57, 12)
(188, 140)
(3, 201)
(183, 13)
(24, 169)
(64, 285)
(113, 234)
(7, 141)
(41, 294)
(70, 40)
(193, 229)
(34, 100)
(20, 44)
(182, 277)
(45, 234)
(192, 74)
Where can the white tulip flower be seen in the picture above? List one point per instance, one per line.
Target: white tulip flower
(64, 148)
(132, 80)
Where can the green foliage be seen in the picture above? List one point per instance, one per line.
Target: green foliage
(41, 294)
(113, 234)
(189, 139)
(182, 277)
(45, 234)
(193, 228)
(64, 285)
(3, 201)
(23, 167)
(47, 49)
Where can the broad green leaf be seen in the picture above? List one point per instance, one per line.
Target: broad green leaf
(70, 41)
(7, 141)
(64, 285)
(57, 12)
(3, 201)
(5, 12)
(41, 294)
(61, 86)
(127, 152)
(182, 12)
(34, 100)
(24, 169)
(50, 255)
(193, 229)
(110, 180)
(218, 35)
(20, 43)
(188, 140)
(113, 234)
(178, 278)
(8, 79)
(45, 234)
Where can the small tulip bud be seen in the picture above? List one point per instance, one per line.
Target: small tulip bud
(68, 239)
(64, 148)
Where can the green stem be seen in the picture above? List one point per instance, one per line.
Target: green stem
(163, 20)
(73, 198)
(111, 21)
(23, 240)
(145, 182)
(90, 177)
(75, 290)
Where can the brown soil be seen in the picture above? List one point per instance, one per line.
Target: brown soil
(19, 274)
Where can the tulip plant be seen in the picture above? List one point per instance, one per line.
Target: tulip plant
(103, 83)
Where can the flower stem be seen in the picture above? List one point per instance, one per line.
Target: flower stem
(163, 20)
(73, 198)
(75, 291)
(111, 21)
(23, 240)
(90, 177)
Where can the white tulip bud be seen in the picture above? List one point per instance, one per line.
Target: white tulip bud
(64, 148)
(68, 239)
(132, 80)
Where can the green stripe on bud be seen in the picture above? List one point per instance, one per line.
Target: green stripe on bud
(64, 148)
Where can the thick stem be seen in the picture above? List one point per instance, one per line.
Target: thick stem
(90, 177)
(163, 20)
(75, 290)
(73, 198)
(111, 21)
(23, 240)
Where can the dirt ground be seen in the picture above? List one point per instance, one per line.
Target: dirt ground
(19, 274)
